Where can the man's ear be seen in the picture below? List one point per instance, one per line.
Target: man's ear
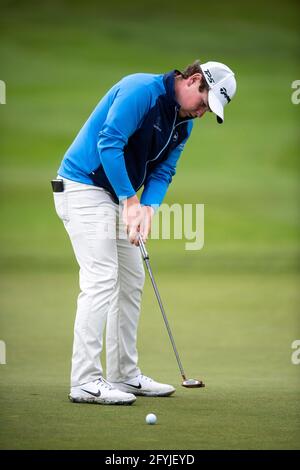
(194, 78)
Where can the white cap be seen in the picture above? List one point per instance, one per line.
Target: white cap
(222, 86)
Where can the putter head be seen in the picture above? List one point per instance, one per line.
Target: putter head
(192, 383)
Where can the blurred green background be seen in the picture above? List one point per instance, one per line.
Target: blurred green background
(233, 306)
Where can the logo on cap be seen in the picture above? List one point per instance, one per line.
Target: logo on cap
(209, 76)
(223, 91)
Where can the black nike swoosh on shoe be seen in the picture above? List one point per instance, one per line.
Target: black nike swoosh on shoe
(134, 386)
(91, 393)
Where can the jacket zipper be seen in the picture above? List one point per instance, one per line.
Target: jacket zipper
(155, 158)
(182, 122)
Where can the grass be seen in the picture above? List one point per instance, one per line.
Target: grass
(236, 334)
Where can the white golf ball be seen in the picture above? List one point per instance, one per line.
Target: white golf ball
(151, 418)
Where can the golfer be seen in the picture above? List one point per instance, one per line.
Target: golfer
(133, 139)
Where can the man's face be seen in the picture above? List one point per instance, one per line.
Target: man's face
(194, 103)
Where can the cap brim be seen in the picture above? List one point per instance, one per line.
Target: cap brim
(216, 106)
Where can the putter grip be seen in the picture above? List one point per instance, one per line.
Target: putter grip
(143, 248)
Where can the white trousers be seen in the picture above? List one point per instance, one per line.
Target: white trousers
(111, 278)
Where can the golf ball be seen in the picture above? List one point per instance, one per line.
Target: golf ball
(151, 418)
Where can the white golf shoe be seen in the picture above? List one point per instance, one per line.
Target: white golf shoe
(145, 386)
(100, 392)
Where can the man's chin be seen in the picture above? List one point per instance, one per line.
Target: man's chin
(185, 114)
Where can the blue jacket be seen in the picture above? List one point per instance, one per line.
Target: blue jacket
(133, 138)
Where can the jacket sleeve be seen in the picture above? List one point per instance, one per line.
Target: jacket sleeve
(158, 181)
(125, 115)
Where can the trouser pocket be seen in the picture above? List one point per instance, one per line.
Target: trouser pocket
(61, 205)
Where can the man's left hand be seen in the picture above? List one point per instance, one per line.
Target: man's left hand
(145, 225)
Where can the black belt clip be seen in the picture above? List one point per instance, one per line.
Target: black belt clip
(57, 185)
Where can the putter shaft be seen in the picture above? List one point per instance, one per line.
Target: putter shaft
(147, 262)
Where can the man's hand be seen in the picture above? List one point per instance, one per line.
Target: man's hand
(133, 215)
(137, 219)
(145, 226)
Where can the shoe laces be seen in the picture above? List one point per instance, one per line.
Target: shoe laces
(104, 383)
(146, 378)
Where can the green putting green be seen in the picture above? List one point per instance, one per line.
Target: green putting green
(232, 306)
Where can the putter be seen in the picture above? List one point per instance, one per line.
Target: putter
(188, 383)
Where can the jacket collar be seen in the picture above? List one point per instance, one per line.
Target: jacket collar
(169, 82)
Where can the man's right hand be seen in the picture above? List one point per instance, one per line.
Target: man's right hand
(132, 217)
